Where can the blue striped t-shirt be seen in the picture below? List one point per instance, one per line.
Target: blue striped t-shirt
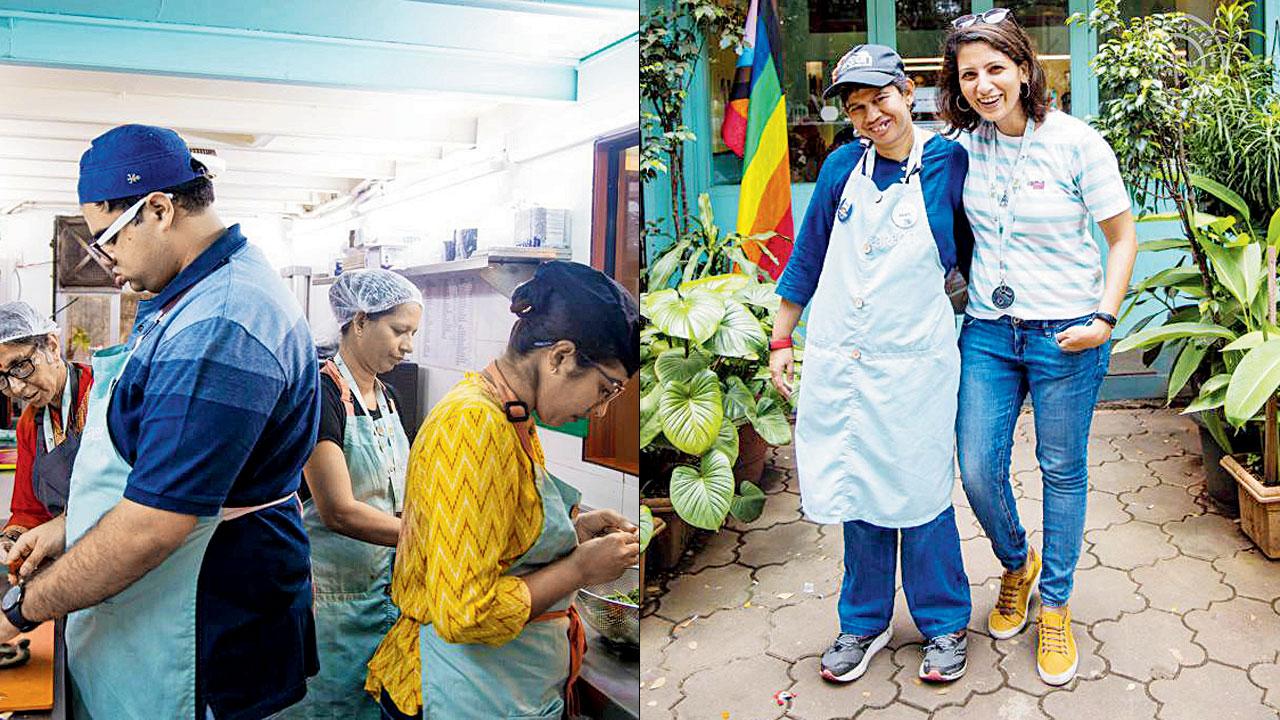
(220, 408)
(1052, 261)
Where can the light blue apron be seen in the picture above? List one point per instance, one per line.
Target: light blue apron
(132, 655)
(875, 429)
(352, 578)
(526, 677)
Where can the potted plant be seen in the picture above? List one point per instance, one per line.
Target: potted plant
(1187, 103)
(704, 382)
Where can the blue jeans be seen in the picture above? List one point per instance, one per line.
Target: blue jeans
(1000, 362)
(933, 577)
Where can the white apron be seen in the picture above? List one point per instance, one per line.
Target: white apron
(875, 432)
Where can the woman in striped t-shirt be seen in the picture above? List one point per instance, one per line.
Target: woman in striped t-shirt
(1040, 314)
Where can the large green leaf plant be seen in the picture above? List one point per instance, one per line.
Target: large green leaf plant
(705, 373)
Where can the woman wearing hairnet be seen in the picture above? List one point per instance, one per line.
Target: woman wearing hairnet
(356, 478)
(493, 548)
(55, 392)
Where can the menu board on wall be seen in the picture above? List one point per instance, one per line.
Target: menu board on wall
(449, 340)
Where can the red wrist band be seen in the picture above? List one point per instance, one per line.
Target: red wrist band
(780, 344)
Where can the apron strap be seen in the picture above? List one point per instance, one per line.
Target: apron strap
(502, 392)
(231, 513)
(577, 650)
(331, 369)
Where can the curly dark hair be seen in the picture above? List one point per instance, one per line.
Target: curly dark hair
(1006, 37)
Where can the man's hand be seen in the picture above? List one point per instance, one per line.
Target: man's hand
(782, 370)
(38, 545)
(1084, 337)
(591, 524)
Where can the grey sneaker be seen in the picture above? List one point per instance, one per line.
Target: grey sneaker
(945, 657)
(849, 656)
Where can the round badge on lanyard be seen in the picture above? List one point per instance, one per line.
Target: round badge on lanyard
(904, 214)
(845, 210)
(1002, 296)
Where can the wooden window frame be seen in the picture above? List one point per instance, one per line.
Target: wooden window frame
(599, 448)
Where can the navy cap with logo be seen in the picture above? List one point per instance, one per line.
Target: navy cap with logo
(868, 65)
(133, 160)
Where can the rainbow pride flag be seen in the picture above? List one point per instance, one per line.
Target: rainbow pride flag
(755, 128)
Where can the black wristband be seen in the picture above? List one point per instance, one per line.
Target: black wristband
(1107, 318)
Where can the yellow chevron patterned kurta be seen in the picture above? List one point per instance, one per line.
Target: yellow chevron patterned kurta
(471, 510)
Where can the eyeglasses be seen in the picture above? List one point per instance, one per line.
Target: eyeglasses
(20, 370)
(108, 236)
(994, 16)
(616, 387)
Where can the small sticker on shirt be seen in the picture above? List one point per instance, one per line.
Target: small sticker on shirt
(845, 210)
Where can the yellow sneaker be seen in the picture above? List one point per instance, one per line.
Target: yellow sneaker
(1009, 615)
(1056, 657)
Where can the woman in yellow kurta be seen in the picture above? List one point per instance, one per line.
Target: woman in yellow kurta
(492, 548)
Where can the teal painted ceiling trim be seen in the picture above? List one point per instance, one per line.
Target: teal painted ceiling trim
(114, 44)
(580, 8)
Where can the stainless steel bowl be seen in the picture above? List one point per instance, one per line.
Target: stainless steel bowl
(617, 622)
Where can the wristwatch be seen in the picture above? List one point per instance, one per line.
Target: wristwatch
(1107, 318)
(12, 607)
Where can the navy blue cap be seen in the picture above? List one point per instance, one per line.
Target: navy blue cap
(135, 160)
(870, 65)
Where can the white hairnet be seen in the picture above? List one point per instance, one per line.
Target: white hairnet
(369, 292)
(20, 320)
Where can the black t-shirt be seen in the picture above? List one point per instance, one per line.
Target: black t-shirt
(333, 415)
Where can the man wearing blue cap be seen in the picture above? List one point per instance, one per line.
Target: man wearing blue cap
(186, 578)
(885, 225)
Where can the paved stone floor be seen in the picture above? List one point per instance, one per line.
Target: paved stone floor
(1177, 616)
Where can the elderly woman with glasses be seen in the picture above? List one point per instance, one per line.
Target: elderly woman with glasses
(56, 393)
(492, 548)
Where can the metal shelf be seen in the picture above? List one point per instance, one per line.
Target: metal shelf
(502, 268)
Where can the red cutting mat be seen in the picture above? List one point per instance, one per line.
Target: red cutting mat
(30, 686)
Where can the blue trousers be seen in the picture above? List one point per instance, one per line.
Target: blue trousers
(933, 577)
(1001, 361)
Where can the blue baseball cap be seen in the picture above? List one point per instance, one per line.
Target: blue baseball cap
(133, 160)
(866, 65)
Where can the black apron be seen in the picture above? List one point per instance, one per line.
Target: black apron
(51, 471)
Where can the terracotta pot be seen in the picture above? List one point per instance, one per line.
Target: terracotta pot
(1259, 507)
(665, 552)
(658, 526)
(753, 452)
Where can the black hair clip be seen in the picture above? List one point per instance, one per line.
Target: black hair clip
(511, 405)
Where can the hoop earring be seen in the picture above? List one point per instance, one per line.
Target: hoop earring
(1025, 92)
(965, 108)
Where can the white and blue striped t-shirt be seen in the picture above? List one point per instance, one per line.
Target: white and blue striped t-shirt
(1052, 262)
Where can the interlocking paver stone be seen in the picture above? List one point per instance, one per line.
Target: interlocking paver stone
(1180, 584)
(982, 676)
(1018, 659)
(1251, 574)
(1210, 691)
(705, 592)
(1207, 537)
(1173, 608)
(817, 699)
(1232, 631)
(705, 696)
(1107, 697)
(1160, 504)
(1122, 476)
(717, 549)
(1148, 645)
(715, 640)
(779, 544)
(1103, 593)
(1129, 545)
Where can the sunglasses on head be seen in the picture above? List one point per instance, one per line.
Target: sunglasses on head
(994, 16)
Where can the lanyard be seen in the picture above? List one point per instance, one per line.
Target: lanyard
(68, 410)
(1003, 196)
(382, 436)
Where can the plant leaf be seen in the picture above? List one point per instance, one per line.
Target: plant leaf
(1188, 360)
(739, 334)
(1213, 394)
(727, 441)
(1255, 379)
(1173, 331)
(692, 317)
(650, 418)
(1164, 244)
(646, 527)
(748, 505)
(1273, 229)
(692, 412)
(702, 496)
(1223, 193)
(739, 402)
(771, 422)
(726, 283)
(761, 295)
(672, 365)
